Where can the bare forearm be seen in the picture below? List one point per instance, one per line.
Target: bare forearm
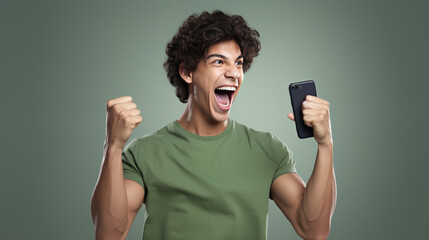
(319, 198)
(109, 200)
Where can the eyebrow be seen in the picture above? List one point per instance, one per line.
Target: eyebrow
(221, 56)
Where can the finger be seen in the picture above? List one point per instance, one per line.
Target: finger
(318, 107)
(129, 112)
(314, 105)
(124, 106)
(133, 112)
(307, 121)
(313, 112)
(314, 117)
(113, 102)
(311, 98)
(135, 121)
(291, 116)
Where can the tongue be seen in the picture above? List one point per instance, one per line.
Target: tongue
(222, 98)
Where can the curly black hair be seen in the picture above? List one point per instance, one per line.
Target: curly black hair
(197, 34)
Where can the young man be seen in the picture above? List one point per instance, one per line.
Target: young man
(205, 176)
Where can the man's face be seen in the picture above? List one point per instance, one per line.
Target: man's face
(216, 80)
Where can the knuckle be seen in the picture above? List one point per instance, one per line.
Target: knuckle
(129, 122)
(123, 114)
(116, 108)
(326, 111)
(306, 111)
(110, 104)
(305, 104)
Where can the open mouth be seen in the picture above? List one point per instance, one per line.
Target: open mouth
(224, 96)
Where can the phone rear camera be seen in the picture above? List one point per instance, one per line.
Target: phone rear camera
(294, 87)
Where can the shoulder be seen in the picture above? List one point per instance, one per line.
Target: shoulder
(257, 135)
(149, 141)
(266, 141)
(265, 144)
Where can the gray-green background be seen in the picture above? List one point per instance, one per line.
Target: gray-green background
(62, 60)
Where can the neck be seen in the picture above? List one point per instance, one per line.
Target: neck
(196, 122)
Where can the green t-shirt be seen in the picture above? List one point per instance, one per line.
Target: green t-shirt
(211, 188)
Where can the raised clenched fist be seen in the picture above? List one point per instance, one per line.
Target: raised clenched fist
(121, 118)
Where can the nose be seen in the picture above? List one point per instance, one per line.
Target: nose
(232, 72)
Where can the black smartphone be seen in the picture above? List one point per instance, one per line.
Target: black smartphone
(298, 91)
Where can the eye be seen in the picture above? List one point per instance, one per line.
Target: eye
(218, 62)
(239, 63)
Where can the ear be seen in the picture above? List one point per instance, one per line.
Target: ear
(187, 76)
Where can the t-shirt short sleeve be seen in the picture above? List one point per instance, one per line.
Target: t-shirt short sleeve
(284, 154)
(130, 164)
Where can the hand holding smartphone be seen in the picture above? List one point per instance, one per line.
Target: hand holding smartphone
(298, 91)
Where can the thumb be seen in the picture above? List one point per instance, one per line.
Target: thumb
(291, 116)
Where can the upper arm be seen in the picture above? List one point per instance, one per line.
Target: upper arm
(287, 192)
(135, 197)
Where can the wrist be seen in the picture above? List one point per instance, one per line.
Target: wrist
(328, 144)
(112, 148)
(111, 144)
(111, 153)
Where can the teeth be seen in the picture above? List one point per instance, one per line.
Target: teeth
(227, 88)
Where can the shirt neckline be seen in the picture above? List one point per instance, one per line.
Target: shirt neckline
(187, 133)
